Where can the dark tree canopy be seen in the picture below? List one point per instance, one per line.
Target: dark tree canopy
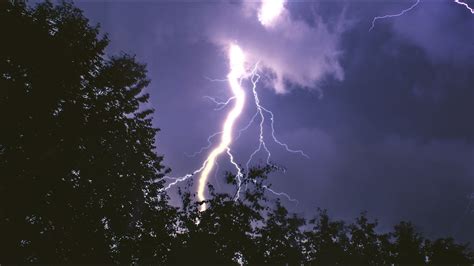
(76, 150)
(80, 179)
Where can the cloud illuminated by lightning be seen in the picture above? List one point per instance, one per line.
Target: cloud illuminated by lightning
(270, 11)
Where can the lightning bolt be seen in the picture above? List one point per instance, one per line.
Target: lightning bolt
(269, 12)
(221, 105)
(235, 77)
(209, 144)
(261, 141)
(237, 71)
(459, 2)
(465, 5)
(281, 194)
(255, 77)
(394, 15)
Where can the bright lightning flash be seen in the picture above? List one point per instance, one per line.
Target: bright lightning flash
(261, 113)
(465, 5)
(270, 11)
(237, 71)
(234, 78)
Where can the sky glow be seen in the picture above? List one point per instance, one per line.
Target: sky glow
(269, 11)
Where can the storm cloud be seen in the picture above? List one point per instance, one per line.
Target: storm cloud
(293, 50)
(392, 135)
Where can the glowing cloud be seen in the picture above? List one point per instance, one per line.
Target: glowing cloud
(269, 11)
(290, 51)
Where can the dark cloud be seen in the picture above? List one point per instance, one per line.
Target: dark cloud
(442, 29)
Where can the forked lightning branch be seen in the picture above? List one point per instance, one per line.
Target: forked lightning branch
(268, 13)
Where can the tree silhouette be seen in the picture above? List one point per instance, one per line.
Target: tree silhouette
(81, 182)
(77, 158)
(226, 232)
(280, 238)
(327, 242)
(408, 244)
(365, 245)
(446, 251)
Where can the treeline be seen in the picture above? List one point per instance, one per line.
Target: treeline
(80, 181)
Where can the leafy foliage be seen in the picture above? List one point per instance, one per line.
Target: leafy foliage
(80, 180)
(77, 151)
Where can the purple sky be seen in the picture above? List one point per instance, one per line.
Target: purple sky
(385, 115)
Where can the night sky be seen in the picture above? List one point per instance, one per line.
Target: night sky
(384, 115)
